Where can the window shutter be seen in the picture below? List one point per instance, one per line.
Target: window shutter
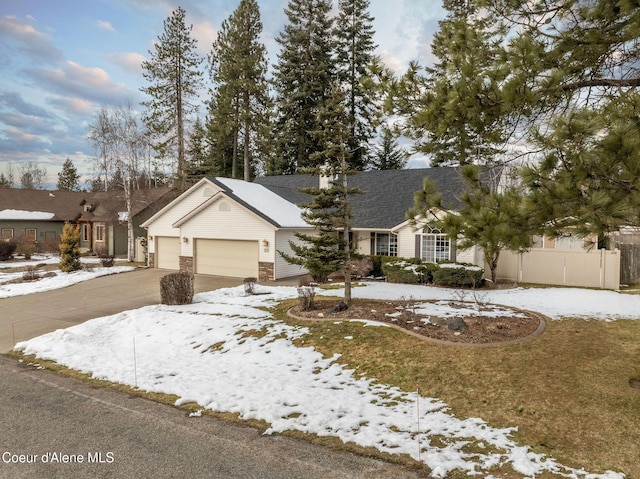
(418, 241)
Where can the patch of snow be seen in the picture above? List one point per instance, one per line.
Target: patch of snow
(25, 215)
(208, 353)
(283, 212)
(61, 280)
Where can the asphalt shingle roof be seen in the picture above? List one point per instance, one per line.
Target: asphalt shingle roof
(388, 194)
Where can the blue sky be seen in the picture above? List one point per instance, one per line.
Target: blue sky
(60, 61)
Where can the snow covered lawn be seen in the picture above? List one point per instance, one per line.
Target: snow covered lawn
(61, 279)
(226, 352)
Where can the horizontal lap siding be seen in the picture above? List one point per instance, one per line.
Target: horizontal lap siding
(236, 223)
(162, 225)
(282, 268)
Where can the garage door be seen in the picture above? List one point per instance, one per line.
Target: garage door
(168, 252)
(234, 258)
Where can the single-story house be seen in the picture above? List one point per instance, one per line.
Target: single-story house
(230, 227)
(39, 216)
(226, 227)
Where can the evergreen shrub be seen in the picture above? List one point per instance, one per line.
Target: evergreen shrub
(462, 275)
(70, 249)
(400, 270)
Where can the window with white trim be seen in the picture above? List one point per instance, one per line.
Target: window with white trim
(435, 246)
(85, 232)
(7, 233)
(384, 244)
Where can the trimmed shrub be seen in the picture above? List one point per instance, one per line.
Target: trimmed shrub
(426, 271)
(107, 260)
(402, 270)
(177, 288)
(7, 248)
(461, 275)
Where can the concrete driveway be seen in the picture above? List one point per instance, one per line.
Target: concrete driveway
(28, 316)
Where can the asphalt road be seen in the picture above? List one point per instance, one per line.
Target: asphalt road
(46, 419)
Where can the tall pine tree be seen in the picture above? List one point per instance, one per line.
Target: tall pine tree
(354, 53)
(329, 250)
(175, 78)
(302, 79)
(457, 116)
(239, 106)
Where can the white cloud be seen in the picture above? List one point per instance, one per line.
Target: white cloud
(104, 25)
(205, 33)
(131, 62)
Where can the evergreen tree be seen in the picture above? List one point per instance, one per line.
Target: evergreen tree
(354, 53)
(389, 156)
(68, 178)
(490, 219)
(70, 249)
(175, 78)
(589, 178)
(457, 114)
(4, 181)
(329, 250)
(198, 154)
(302, 78)
(239, 108)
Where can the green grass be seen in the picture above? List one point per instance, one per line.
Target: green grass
(567, 391)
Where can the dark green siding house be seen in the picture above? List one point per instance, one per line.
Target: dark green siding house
(38, 216)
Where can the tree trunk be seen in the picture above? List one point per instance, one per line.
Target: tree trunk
(347, 245)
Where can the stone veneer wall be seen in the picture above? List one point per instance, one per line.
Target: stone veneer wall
(152, 260)
(186, 264)
(265, 271)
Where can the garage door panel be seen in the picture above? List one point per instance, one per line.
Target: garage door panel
(168, 252)
(227, 258)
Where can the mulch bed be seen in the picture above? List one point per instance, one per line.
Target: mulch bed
(480, 330)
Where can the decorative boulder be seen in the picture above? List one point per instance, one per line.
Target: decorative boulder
(457, 324)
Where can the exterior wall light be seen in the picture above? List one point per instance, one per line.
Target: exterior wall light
(265, 243)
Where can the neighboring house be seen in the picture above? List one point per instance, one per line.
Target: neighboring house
(39, 216)
(103, 223)
(225, 227)
(233, 228)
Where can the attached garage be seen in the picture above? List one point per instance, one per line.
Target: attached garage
(168, 252)
(233, 258)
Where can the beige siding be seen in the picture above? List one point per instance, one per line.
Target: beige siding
(593, 269)
(282, 268)
(224, 219)
(363, 242)
(162, 225)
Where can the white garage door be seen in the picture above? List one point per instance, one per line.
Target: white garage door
(234, 258)
(168, 252)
